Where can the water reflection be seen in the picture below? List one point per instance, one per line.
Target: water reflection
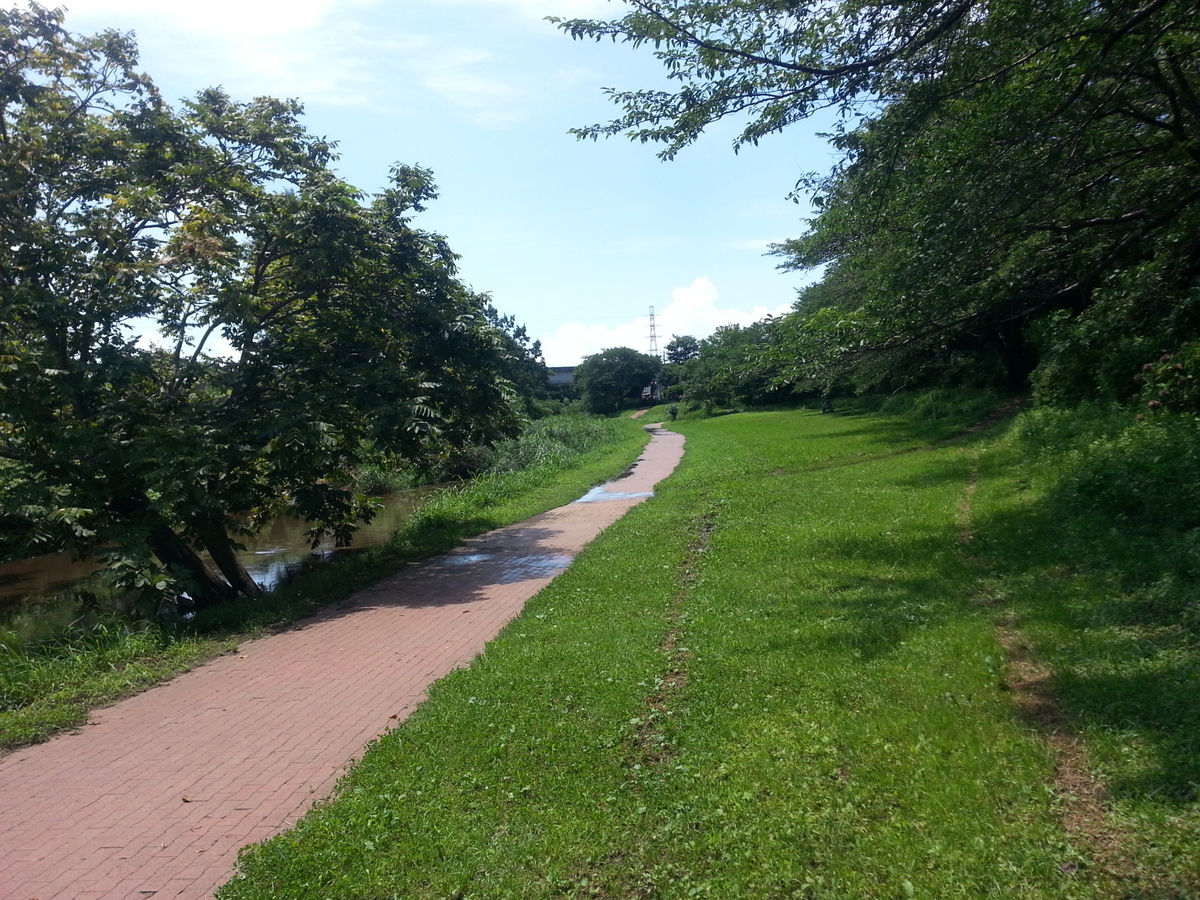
(28, 587)
(280, 549)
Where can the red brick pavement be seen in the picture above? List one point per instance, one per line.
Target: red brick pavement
(156, 795)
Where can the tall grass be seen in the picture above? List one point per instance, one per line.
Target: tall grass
(555, 441)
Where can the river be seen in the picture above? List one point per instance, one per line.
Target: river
(35, 598)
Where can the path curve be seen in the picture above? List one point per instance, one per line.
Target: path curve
(154, 797)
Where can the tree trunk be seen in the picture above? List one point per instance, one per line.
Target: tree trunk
(173, 551)
(1018, 358)
(219, 547)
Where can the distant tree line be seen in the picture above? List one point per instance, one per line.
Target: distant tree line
(133, 238)
(1018, 199)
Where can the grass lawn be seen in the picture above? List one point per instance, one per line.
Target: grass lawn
(781, 677)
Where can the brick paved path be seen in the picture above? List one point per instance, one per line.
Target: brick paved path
(156, 795)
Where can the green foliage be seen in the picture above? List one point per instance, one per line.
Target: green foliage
(770, 63)
(555, 440)
(614, 378)
(682, 348)
(1018, 183)
(522, 363)
(959, 404)
(733, 365)
(1142, 477)
(1173, 383)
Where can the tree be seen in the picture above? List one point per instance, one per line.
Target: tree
(774, 63)
(346, 326)
(969, 222)
(523, 362)
(682, 348)
(732, 364)
(606, 380)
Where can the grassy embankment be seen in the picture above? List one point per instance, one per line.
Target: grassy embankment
(787, 676)
(50, 686)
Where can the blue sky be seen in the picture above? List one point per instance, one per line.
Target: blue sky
(576, 239)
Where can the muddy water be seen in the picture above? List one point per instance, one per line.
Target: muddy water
(29, 588)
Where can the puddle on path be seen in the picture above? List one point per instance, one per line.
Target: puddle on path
(601, 493)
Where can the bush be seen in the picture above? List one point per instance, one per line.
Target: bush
(1172, 383)
(1148, 476)
(1048, 432)
(944, 403)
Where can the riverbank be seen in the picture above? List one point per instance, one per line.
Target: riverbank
(834, 657)
(51, 687)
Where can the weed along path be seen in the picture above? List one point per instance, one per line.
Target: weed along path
(156, 795)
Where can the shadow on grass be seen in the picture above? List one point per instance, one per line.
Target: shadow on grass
(879, 591)
(1119, 624)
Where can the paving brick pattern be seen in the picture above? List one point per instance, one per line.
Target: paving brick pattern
(154, 797)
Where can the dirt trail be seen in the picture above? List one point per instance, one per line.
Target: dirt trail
(154, 797)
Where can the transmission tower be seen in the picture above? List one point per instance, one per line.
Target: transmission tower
(653, 336)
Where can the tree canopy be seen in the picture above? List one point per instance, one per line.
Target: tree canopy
(609, 379)
(134, 238)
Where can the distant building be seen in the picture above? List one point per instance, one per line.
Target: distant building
(561, 375)
(652, 393)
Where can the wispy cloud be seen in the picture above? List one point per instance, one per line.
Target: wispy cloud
(693, 310)
(468, 79)
(253, 18)
(321, 51)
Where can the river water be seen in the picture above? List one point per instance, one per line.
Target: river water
(32, 601)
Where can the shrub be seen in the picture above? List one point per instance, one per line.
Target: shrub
(1172, 382)
(555, 439)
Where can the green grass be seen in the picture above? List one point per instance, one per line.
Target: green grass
(1112, 604)
(50, 686)
(842, 729)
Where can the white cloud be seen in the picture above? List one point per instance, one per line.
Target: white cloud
(693, 310)
(320, 51)
(456, 77)
(253, 18)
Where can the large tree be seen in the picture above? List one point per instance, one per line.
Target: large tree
(133, 237)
